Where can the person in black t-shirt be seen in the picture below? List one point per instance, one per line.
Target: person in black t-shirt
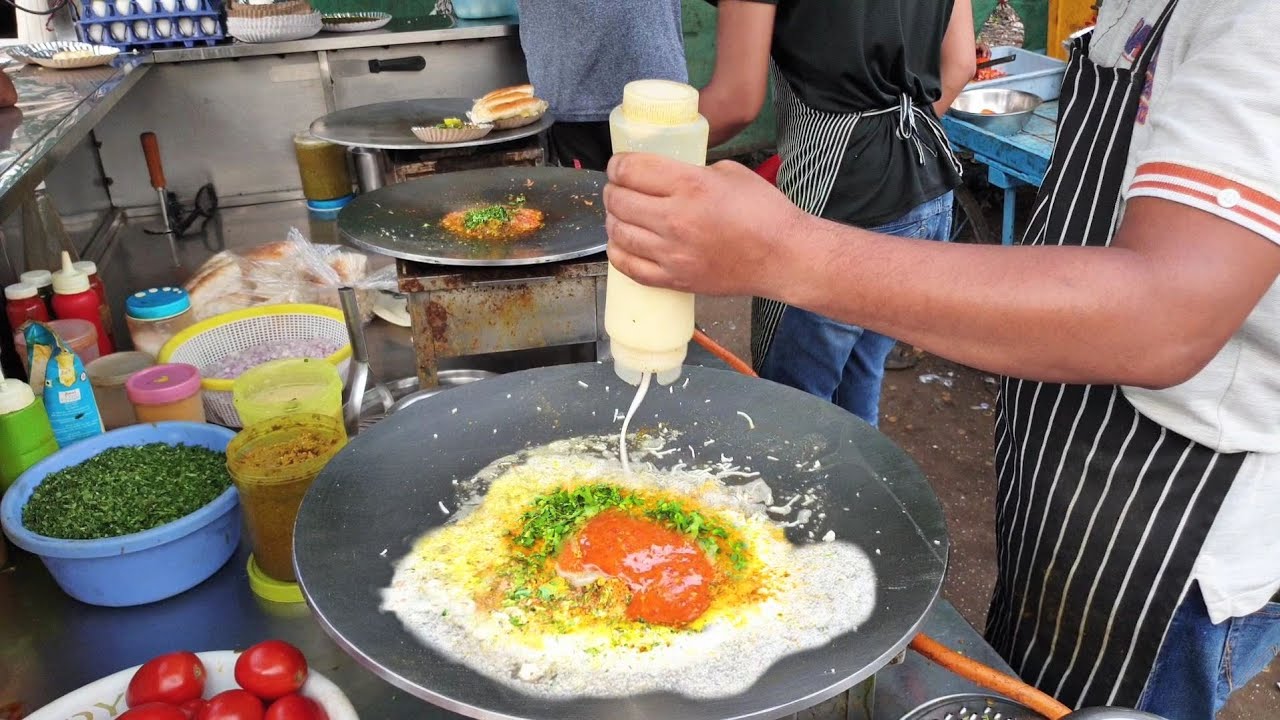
(860, 85)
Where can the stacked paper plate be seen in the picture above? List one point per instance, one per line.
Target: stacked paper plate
(270, 9)
(64, 55)
(356, 21)
(432, 134)
(274, 28)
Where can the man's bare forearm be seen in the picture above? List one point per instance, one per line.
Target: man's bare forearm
(959, 60)
(723, 114)
(1074, 315)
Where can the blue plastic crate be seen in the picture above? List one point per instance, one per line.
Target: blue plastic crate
(147, 25)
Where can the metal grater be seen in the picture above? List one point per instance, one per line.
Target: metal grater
(972, 706)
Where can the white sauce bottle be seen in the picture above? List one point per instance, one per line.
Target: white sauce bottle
(650, 328)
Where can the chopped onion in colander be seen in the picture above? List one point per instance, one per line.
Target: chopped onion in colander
(235, 364)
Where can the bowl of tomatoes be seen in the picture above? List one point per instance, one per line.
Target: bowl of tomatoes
(269, 681)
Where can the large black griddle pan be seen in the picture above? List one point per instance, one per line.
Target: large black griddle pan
(403, 220)
(382, 492)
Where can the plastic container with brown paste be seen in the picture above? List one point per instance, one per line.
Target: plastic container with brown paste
(108, 374)
(273, 464)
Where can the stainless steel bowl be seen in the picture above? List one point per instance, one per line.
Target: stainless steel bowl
(1000, 111)
(448, 379)
(405, 392)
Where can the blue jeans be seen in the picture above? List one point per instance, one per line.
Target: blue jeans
(1200, 663)
(845, 363)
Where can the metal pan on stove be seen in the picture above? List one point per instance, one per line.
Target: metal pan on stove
(389, 125)
(403, 220)
(382, 492)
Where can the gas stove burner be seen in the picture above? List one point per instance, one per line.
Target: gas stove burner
(972, 707)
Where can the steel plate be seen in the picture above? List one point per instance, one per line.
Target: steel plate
(403, 220)
(972, 706)
(382, 491)
(386, 126)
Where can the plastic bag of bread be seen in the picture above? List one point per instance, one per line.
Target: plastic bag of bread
(295, 270)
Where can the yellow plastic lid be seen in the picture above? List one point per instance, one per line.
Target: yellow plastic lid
(660, 102)
(287, 387)
(268, 588)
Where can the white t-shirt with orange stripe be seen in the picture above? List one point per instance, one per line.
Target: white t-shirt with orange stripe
(1208, 136)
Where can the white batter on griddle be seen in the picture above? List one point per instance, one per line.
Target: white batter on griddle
(825, 590)
(626, 422)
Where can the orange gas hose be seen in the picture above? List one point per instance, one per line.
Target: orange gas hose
(733, 361)
(965, 667)
(989, 677)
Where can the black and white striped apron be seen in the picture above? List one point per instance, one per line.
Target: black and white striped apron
(1101, 512)
(812, 144)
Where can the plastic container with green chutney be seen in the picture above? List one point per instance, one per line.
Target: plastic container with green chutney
(322, 166)
(273, 464)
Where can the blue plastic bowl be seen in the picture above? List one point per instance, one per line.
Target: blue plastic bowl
(143, 567)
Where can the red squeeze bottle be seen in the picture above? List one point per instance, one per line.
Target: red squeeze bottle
(95, 284)
(23, 304)
(74, 298)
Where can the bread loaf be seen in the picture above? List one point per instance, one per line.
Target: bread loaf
(218, 287)
(278, 272)
(273, 251)
(514, 91)
(525, 107)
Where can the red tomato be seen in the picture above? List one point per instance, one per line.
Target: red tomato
(232, 705)
(296, 707)
(271, 669)
(153, 711)
(174, 679)
(192, 708)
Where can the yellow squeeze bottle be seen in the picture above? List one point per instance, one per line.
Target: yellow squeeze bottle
(650, 328)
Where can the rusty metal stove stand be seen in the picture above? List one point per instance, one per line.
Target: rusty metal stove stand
(457, 312)
(473, 298)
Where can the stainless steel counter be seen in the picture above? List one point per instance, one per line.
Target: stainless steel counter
(52, 644)
(56, 110)
(401, 31)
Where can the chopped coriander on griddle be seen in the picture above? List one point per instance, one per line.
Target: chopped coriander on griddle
(558, 514)
(497, 213)
(481, 216)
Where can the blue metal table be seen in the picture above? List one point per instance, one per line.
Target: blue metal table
(1012, 161)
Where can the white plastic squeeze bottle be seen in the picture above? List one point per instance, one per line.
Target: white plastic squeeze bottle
(650, 328)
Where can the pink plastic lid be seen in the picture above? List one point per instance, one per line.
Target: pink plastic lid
(163, 384)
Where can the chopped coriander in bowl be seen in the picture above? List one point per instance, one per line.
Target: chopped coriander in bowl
(126, 490)
(131, 516)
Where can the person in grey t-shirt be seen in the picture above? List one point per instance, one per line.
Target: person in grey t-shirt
(581, 53)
